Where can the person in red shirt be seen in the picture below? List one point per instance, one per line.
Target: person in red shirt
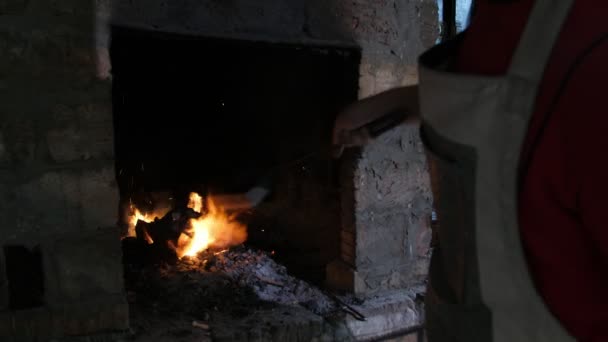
(563, 194)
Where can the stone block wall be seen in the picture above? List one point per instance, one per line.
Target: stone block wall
(82, 290)
(56, 166)
(386, 199)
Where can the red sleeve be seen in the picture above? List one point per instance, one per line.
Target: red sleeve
(590, 138)
(586, 101)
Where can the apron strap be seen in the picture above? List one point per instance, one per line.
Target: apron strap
(539, 36)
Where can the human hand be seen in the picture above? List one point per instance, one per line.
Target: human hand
(348, 129)
(377, 112)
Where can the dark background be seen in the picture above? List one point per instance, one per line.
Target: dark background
(220, 113)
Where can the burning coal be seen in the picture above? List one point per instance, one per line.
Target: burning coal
(215, 228)
(205, 225)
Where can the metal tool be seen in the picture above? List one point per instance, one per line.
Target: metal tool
(248, 200)
(347, 308)
(369, 131)
(356, 137)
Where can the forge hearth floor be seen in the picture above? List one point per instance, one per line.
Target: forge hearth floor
(244, 295)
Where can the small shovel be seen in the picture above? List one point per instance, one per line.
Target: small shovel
(357, 137)
(245, 201)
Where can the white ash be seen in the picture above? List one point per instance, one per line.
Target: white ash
(268, 280)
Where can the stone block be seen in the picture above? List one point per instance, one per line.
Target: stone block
(13, 6)
(61, 201)
(81, 133)
(269, 20)
(87, 318)
(63, 7)
(386, 313)
(387, 204)
(82, 265)
(31, 324)
(342, 276)
(101, 314)
(41, 206)
(390, 277)
(382, 240)
(83, 289)
(98, 198)
(52, 46)
(18, 142)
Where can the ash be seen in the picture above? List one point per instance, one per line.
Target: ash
(257, 271)
(233, 284)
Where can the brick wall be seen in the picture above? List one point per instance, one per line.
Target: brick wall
(385, 194)
(56, 167)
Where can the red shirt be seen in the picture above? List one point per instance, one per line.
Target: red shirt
(563, 204)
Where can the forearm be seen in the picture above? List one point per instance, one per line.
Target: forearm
(375, 106)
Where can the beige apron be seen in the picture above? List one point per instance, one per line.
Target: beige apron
(473, 127)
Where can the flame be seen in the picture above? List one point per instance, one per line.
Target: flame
(135, 215)
(215, 228)
(195, 202)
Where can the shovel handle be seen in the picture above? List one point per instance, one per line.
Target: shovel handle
(371, 130)
(385, 123)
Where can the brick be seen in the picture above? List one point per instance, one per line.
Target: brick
(98, 198)
(47, 47)
(81, 133)
(40, 206)
(92, 316)
(104, 314)
(19, 140)
(13, 6)
(373, 280)
(391, 200)
(82, 265)
(382, 239)
(61, 201)
(31, 323)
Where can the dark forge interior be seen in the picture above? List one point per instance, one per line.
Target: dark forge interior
(220, 115)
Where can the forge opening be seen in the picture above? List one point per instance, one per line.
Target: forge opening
(220, 116)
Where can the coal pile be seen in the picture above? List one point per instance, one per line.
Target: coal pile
(231, 283)
(269, 280)
(236, 276)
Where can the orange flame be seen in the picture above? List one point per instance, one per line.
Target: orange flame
(195, 202)
(215, 228)
(135, 215)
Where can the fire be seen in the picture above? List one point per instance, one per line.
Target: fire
(135, 215)
(195, 202)
(215, 228)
